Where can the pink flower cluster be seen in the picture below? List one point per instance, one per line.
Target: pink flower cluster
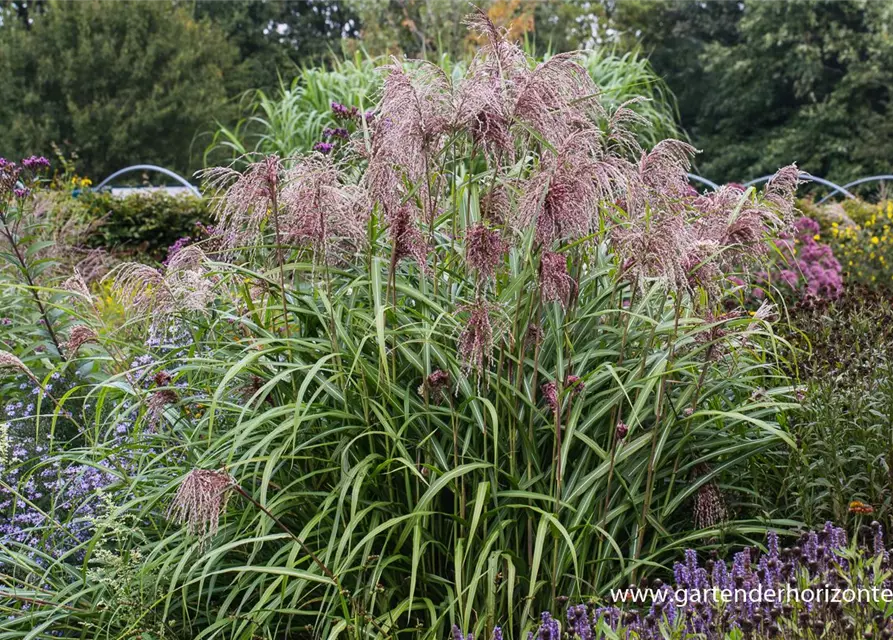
(812, 271)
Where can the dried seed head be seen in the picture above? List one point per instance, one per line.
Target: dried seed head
(710, 504)
(620, 430)
(406, 237)
(436, 385)
(9, 361)
(495, 205)
(78, 286)
(200, 501)
(550, 395)
(157, 402)
(79, 335)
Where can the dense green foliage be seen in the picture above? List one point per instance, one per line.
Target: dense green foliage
(276, 37)
(843, 431)
(115, 83)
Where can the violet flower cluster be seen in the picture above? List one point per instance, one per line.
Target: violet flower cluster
(45, 505)
(821, 560)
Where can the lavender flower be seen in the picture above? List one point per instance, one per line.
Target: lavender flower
(36, 162)
(338, 132)
(323, 147)
(342, 112)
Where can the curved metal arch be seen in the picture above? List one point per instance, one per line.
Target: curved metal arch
(882, 178)
(806, 176)
(150, 167)
(697, 178)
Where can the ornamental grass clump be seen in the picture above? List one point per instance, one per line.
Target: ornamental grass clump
(460, 369)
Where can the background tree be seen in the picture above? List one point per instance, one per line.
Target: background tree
(118, 82)
(275, 37)
(766, 83)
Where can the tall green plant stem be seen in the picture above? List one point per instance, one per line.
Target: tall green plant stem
(649, 483)
(274, 205)
(32, 287)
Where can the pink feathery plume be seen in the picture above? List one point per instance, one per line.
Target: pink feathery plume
(484, 250)
(562, 198)
(653, 247)
(142, 288)
(556, 97)
(664, 169)
(486, 95)
(780, 193)
(320, 210)
(242, 199)
(412, 120)
(556, 284)
(476, 338)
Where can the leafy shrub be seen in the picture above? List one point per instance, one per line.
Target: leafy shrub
(861, 236)
(89, 72)
(482, 364)
(139, 223)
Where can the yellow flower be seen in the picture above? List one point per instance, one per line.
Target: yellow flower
(874, 240)
(816, 237)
